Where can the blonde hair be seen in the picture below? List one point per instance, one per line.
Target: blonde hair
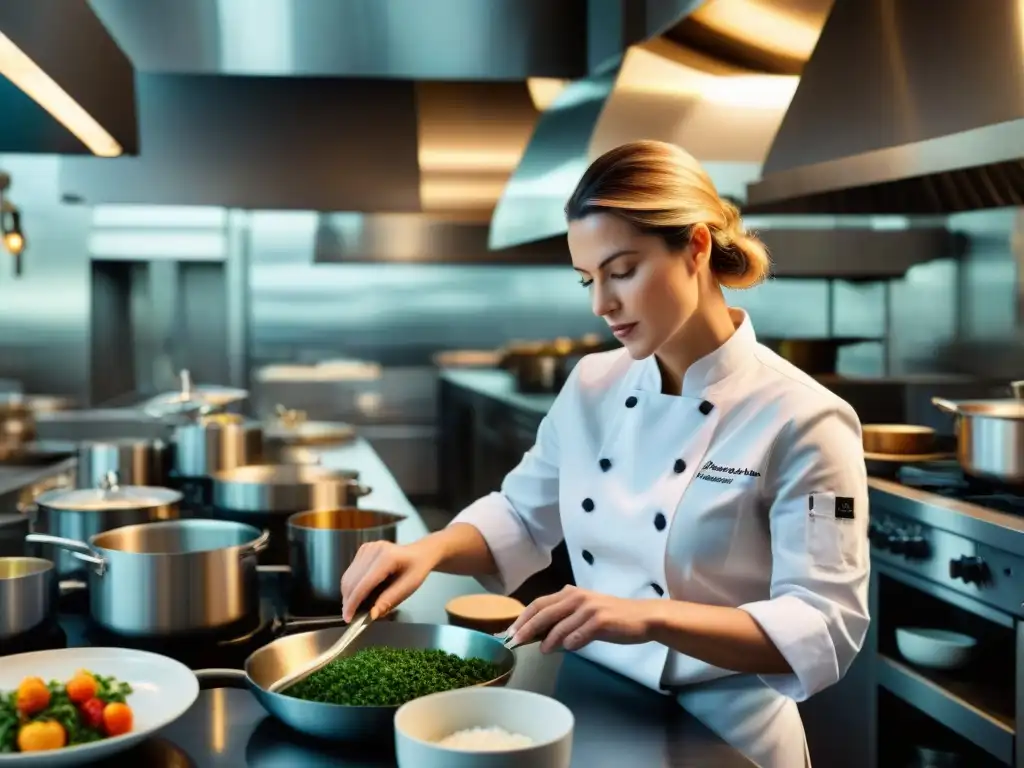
(662, 190)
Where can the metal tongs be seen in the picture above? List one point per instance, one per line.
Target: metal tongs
(356, 627)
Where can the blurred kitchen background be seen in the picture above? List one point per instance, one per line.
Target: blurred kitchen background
(316, 199)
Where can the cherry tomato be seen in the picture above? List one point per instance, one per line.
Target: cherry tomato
(117, 719)
(92, 713)
(81, 688)
(41, 735)
(33, 696)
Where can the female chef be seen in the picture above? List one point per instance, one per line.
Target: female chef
(713, 498)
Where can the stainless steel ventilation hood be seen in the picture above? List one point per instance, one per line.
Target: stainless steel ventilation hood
(906, 107)
(726, 116)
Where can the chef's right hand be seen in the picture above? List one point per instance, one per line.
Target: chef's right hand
(406, 567)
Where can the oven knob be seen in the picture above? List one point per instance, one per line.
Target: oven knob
(970, 570)
(917, 548)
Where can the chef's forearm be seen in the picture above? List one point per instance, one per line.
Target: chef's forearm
(460, 549)
(728, 638)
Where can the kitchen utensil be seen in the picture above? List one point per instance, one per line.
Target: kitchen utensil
(162, 691)
(135, 461)
(191, 401)
(990, 437)
(484, 612)
(323, 543)
(934, 648)
(286, 488)
(28, 594)
(13, 530)
(82, 513)
(897, 439)
(346, 723)
(359, 623)
(217, 442)
(170, 578)
(423, 722)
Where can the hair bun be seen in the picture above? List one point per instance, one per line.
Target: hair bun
(748, 262)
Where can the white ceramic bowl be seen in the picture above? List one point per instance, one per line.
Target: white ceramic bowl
(934, 648)
(422, 722)
(162, 691)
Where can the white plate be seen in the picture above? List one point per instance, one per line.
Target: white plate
(162, 691)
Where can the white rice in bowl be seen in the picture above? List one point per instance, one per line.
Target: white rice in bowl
(490, 739)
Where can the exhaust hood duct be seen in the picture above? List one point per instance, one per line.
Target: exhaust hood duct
(725, 116)
(531, 206)
(65, 85)
(905, 107)
(263, 143)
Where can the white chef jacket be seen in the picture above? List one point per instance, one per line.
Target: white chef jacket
(749, 490)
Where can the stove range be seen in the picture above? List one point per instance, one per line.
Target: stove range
(947, 479)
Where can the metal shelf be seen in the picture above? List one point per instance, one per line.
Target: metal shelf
(991, 731)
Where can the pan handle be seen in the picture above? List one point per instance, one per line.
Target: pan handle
(221, 678)
(947, 406)
(257, 546)
(79, 549)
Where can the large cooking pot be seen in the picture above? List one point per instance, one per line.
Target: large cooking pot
(990, 437)
(136, 461)
(289, 436)
(28, 594)
(322, 545)
(273, 488)
(170, 578)
(217, 442)
(83, 513)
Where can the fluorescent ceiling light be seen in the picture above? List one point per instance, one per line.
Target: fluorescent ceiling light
(17, 67)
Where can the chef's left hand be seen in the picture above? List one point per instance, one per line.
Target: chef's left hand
(573, 617)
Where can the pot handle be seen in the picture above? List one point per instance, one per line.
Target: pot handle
(79, 549)
(946, 406)
(111, 482)
(359, 490)
(257, 546)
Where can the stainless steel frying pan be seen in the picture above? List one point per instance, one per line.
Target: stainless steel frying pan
(341, 722)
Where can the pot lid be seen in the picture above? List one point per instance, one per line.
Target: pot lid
(1007, 408)
(291, 427)
(284, 474)
(110, 495)
(191, 400)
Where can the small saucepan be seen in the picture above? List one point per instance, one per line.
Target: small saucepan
(337, 722)
(322, 545)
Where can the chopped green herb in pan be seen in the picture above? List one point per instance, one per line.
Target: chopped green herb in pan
(389, 677)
